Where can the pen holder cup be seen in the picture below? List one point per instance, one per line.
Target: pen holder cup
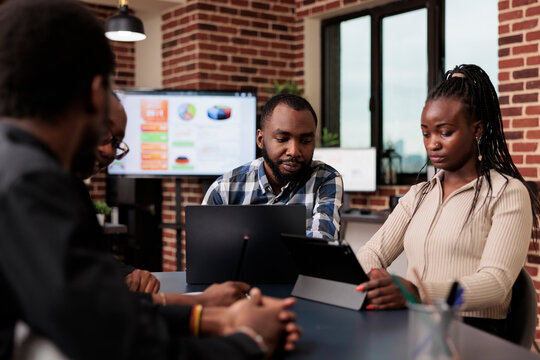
(432, 333)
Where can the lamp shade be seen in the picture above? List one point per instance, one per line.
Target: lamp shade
(124, 27)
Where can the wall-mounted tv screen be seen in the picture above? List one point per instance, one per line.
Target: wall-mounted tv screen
(358, 167)
(186, 132)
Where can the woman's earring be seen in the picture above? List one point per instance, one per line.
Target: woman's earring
(478, 146)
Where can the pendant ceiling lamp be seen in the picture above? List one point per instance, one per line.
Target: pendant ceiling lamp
(123, 26)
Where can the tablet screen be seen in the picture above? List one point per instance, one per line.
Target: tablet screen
(317, 258)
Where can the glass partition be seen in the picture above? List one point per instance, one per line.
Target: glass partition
(404, 86)
(355, 122)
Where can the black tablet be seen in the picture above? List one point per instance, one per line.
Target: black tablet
(320, 259)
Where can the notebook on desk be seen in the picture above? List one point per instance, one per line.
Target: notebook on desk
(241, 242)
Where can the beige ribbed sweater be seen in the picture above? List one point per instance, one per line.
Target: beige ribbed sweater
(485, 255)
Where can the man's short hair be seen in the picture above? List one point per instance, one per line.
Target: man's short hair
(295, 102)
(50, 50)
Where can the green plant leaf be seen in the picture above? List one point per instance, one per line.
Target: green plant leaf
(329, 139)
(102, 208)
(287, 87)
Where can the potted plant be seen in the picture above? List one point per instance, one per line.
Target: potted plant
(102, 210)
(329, 139)
(287, 87)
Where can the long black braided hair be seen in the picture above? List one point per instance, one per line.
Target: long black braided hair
(470, 85)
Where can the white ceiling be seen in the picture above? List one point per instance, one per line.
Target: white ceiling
(141, 5)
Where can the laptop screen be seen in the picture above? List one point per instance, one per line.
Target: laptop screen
(241, 242)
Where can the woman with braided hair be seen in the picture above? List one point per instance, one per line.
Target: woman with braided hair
(471, 223)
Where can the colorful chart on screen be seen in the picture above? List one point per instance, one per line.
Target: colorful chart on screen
(219, 112)
(186, 111)
(186, 132)
(154, 135)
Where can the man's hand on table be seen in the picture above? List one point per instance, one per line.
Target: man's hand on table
(142, 281)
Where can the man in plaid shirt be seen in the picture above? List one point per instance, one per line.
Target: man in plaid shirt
(286, 173)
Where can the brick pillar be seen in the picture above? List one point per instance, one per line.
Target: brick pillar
(519, 81)
(169, 217)
(97, 187)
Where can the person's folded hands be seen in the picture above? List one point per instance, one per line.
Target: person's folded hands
(265, 316)
(224, 294)
(293, 331)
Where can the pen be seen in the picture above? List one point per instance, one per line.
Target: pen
(410, 298)
(459, 297)
(451, 299)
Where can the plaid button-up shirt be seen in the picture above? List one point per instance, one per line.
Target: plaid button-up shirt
(321, 193)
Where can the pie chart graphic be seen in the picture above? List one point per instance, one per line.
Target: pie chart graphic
(186, 111)
(182, 160)
(219, 112)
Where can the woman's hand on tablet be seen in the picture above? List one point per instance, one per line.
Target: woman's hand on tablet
(383, 293)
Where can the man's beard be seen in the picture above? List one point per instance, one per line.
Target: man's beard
(284, 179)
(84, 161)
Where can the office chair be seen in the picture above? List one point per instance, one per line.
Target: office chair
(30, 346)
(523, 311)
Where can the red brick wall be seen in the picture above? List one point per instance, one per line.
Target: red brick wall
(124, 77)
(519, 83)
(191, 191)
(229, 45)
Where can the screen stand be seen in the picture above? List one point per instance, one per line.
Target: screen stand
(329, 292)
(346, 202)
(242, 254)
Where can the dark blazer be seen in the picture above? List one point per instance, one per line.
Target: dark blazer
(57, 275)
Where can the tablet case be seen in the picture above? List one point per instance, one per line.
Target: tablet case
(328, 273)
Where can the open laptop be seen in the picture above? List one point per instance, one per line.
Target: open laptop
(241, 242)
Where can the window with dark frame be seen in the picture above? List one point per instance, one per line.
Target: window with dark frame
(373, 92)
